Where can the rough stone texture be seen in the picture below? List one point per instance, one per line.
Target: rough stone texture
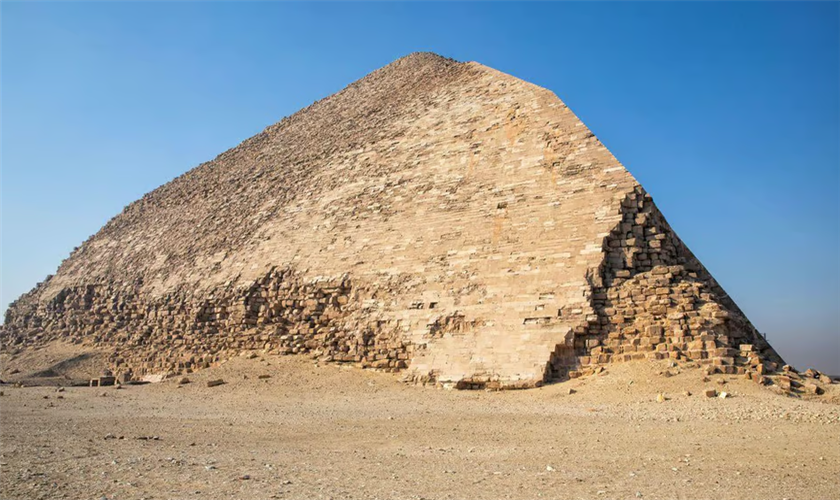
(434, 217)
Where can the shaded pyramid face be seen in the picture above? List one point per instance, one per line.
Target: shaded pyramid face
(437, 218)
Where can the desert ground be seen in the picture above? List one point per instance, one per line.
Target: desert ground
(286, 427)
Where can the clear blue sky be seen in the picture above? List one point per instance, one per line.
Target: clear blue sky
(728, 113)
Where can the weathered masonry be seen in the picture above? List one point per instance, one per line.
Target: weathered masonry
(436, 218)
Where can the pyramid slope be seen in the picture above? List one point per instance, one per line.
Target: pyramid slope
(438, 218)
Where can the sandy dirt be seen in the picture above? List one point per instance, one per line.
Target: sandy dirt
(314, 432)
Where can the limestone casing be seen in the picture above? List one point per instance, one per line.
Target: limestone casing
(437, 218)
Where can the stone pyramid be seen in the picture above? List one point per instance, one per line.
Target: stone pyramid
(436, 218)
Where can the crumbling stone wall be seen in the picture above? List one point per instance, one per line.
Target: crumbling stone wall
(652, 299)
(279, 313)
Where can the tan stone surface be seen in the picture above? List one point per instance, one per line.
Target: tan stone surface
(438, 218)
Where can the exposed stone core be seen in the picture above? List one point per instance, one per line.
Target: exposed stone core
(438, 218)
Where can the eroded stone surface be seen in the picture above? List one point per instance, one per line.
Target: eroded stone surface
(437, 218)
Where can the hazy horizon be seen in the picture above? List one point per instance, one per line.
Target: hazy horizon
(728, 114)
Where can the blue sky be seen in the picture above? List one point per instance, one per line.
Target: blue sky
(727, 113)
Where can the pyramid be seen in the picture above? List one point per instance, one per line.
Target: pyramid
(439, 219)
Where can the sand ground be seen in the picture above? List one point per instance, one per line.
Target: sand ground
(337, 432)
